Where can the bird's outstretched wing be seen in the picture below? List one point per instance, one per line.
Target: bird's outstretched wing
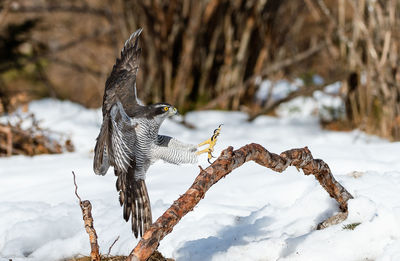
(121, 84)
(120, 87)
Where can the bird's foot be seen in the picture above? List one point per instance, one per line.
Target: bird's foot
(211, 141)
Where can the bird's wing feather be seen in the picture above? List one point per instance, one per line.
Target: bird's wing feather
(123, 139)
(101, 161)
(130, 54)
(120, 87)
(121, 84)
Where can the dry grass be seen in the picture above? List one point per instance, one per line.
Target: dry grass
(156, 256)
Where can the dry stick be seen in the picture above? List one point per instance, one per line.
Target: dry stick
(7, 131)
(228, 161)
(86, 208)
(109, 250)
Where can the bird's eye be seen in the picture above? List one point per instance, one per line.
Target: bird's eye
(165, 108)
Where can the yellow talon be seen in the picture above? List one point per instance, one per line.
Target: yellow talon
(211, 141)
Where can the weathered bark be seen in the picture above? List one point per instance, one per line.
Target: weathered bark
(86, 208)
(228, 161)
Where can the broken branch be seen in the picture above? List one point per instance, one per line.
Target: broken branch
(228, 161)
(86, 208)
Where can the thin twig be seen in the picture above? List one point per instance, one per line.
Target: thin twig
(76, 189)
(109, 250)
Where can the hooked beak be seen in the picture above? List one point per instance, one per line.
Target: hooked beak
(173, 111)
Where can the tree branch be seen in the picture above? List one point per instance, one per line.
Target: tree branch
(228, 161)
(86, 208)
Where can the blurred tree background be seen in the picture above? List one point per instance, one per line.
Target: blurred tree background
(207, 54)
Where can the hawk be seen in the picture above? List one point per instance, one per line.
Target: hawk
(129, 140)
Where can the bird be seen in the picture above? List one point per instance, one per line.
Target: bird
(129, 140)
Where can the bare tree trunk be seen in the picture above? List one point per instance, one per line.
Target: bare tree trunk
(228, 161)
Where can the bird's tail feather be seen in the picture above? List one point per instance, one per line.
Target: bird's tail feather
(136, 203)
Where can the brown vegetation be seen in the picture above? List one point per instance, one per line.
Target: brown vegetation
(370, 51)
(31, 140)
(211, 54)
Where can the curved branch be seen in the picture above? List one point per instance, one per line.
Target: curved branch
(228, 161)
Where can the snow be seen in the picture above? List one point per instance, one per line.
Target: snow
(326, 104)
(252, 214)
(277, 90)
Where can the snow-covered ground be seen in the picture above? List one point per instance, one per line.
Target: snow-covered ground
(253, 214)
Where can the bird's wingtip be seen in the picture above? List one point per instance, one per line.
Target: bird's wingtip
(133, 38)
(138, 31)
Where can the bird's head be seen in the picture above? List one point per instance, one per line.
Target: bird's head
(160, 111)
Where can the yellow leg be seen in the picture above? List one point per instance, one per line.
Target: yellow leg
(211, 141)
